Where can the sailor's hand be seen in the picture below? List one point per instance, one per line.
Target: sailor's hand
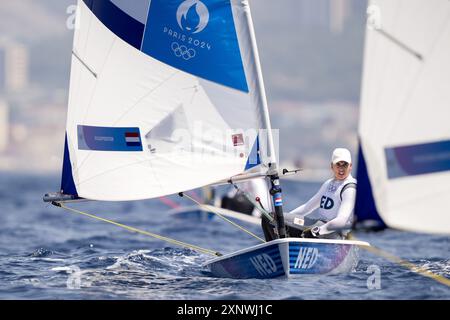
(311, 233)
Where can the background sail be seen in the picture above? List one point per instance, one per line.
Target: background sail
(404, 130)
(161, 102)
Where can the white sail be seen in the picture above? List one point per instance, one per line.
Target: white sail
(405, 109)
(163, 99)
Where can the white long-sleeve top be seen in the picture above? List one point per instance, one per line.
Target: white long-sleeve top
(335, 202)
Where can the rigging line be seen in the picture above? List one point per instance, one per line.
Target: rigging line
(252, 201)
(84, 64)
(221, 216)
(399, 43)
(145, 96)
(406, 264)
(132, 229)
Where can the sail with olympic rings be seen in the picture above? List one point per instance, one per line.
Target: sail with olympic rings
(165, 96)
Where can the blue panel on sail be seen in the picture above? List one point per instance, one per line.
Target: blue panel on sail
(109, 139)
(121, 24)
(198, 37)
(254, 158)
(67, 182)
(417, 159)
(365, 208)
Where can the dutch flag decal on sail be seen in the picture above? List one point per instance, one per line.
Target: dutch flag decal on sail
(132, 139)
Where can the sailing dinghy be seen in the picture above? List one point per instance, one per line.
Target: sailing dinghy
(168, 96)
(289, 257)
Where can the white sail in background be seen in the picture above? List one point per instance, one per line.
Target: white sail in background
(405, 111)
(165, 96)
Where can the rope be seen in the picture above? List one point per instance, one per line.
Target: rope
(257, 205)
(406, 264)
(221, 216)
(153, 235)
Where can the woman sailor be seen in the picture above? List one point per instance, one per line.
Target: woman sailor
(335, 202)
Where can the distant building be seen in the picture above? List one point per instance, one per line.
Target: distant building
(326, 14)
(4, 126)
(2, 70)
(340, 11)
(14, 66)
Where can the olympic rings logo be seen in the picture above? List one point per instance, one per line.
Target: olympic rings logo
(183, 51)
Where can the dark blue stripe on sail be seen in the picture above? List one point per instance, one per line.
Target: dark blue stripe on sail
(365, 208)
(418, 159)
(121, 24)
(67, 182)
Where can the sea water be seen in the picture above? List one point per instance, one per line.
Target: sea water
(49, 253)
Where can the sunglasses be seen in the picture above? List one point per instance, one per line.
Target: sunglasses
(342, 165)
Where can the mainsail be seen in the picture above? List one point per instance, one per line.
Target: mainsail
(165, 96)
(404, 131)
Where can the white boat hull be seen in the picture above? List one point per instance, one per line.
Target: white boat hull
(289, 257)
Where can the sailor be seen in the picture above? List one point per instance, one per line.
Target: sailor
(335, 202)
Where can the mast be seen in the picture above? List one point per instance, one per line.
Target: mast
(275, 190)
